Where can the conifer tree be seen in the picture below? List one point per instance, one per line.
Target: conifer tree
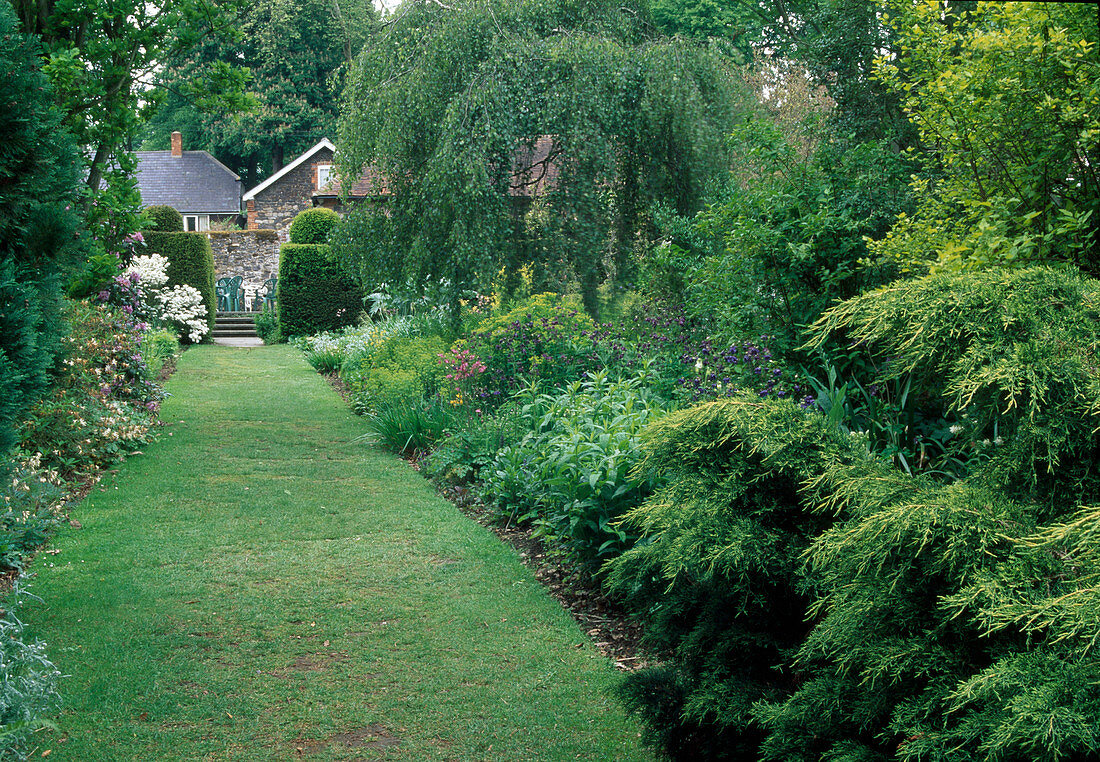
(38, 180)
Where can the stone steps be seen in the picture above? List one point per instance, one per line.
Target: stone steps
(234, 325)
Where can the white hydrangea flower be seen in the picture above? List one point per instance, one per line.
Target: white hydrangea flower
(151, 269)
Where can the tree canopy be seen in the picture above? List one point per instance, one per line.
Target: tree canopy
(443, 100)
(1005, 99)
(38, 227)
(100, 57)
(294, 55)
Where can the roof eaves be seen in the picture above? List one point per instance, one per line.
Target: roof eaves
(323, 143)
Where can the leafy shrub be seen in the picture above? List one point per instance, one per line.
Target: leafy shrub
(544, 338)
(158, 346)
(327, 357)
(957, 620)
(38, 226)
(28, 682)
(313, 225)
(469, 450)
(315, 294)
(572, 474)
(1005, 356)
(31, 504)
(402, 369)
(97, 272)
(102, 403)
(267, 327)
(164, 219)
(819, 603)
(190, 263)
(718, 574)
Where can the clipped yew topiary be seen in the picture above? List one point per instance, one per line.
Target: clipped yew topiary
(190, 263)
(164, 219)
(313, 225)
(315, 294)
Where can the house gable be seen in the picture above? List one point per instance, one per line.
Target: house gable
(273, 203)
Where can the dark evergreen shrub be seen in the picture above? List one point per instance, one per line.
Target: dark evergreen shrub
(190, 263)
(38, 227)
(818, 603)
(313, 225)
(958, 620)
(164, 219)
(719, 574)
(315, 294)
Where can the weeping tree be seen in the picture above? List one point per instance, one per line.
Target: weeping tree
(526, 132)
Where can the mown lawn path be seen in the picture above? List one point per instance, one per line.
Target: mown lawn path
(259, 586)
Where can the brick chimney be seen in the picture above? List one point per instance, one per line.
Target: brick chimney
(177, 144)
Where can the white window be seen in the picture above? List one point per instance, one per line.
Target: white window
(196, 222)
(324, 174)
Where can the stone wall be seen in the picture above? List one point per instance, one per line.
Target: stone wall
(275, 206)
(252, 254)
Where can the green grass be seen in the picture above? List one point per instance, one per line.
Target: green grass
(257, 586)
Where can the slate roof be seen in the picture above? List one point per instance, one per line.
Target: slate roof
(194, 183)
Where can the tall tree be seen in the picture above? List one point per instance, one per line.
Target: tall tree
(835, 41)
(295, 55)
(100, 56)
(448, 103)
(38, 179)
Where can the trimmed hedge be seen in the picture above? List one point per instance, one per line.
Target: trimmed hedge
(190, 263)
(313, 225)
(315, 295)
(164, 219)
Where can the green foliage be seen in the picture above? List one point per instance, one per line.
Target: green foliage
(158, 346)
(287, 59)
(544, 338)
(786, 239)
(190, 263)
(98, 271)
(33, 503)
(1009, 355)
(164, 219)
(28, 682)
(402, 369)
(38, 236)
(467, 452)
(821, 603)
(410, 426)
(718, 574)
(573, 473)
(1004, 97)
(102, 403)
(98, 67)
(267, 327)
(628, 117)
(313, 225)
(315, 294)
